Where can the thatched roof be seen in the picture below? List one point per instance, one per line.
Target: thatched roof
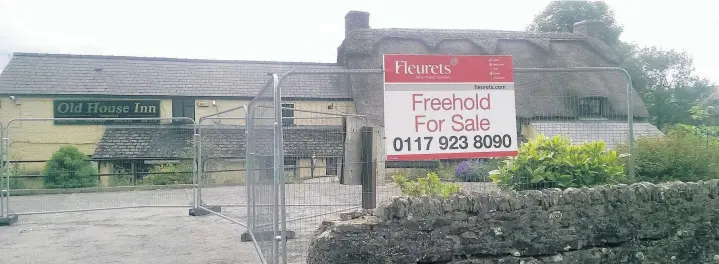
(537, 94)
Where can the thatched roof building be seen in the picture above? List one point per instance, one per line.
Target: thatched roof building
(550, 98)
(568, 103)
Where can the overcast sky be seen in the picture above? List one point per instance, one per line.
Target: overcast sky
(309, 30)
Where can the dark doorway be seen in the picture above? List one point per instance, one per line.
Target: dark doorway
(183, 108)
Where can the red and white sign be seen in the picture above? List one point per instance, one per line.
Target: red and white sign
(449, 107)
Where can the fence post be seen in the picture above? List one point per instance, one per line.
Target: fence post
(250, 167)
(5, 218)
(368, 178)
(199, 172)
(279, 163)
(197, 169)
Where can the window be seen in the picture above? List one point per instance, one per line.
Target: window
(591, 107)
(129, 171)
(290, 161)
(332, 166)
(288, 115)
(183, 108)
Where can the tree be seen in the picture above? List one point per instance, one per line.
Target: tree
(664, 78)
(69, 168)
(670, 89)
(560, 16)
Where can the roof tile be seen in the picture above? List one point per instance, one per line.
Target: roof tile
(167, 142)
(31, 73)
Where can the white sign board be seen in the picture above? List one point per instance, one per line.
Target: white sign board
(449, 107)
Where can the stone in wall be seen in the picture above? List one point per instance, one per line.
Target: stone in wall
(639, 223)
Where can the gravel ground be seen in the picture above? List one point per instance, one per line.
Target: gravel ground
(167, 235)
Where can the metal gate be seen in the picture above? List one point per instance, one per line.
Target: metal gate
(225, 173)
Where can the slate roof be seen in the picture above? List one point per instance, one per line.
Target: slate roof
(305, 141)
(611, 132)
(171, 142)
(63, 74)
(548, 94)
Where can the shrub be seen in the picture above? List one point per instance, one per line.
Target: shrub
(69, 168)
(556, 163)
(476, 170)
(15, 171)
(166, 174)
(684, 154)
(444, 171)
(428, 186)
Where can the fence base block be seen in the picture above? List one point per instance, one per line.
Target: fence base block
(201, 212)
(11, 219)
(265, 236)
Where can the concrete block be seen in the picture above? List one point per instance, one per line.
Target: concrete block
(8, 221)
(265, 235)
(201, 212)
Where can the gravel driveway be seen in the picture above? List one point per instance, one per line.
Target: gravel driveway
(165, 235)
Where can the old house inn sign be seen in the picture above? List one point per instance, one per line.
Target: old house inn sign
(109, 109)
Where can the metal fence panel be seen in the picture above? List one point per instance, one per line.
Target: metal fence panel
(84, 164)
(221, 155)
(4, 180)
(262, 178)
(322, 166)
(312, 198)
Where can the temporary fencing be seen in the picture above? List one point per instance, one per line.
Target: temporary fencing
(363, 178)
(137, 162)
(275, 169)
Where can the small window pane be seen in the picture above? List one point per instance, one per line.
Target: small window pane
(288, 115)
(590, 107)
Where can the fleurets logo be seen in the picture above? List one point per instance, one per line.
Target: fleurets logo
(404, 67)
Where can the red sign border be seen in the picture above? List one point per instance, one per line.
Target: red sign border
(439, 156)
(384, 69)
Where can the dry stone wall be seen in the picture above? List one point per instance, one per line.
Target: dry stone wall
(640, 223)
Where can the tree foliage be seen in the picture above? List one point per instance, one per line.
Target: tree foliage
(663, 77)
(560, 16)
(686, 153)
(669, 87)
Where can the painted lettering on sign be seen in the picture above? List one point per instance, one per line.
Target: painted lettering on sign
(449, 107)
(105, 109)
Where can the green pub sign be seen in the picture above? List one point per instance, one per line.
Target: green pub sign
(107, 110)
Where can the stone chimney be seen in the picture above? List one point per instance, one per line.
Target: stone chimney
(356, 20)
(591, 28)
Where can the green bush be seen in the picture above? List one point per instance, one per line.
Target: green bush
(684, 154)
(445, 172)
(556, 163)
(428, 186)
(69, 168)
(17, 184)
(167, 174)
